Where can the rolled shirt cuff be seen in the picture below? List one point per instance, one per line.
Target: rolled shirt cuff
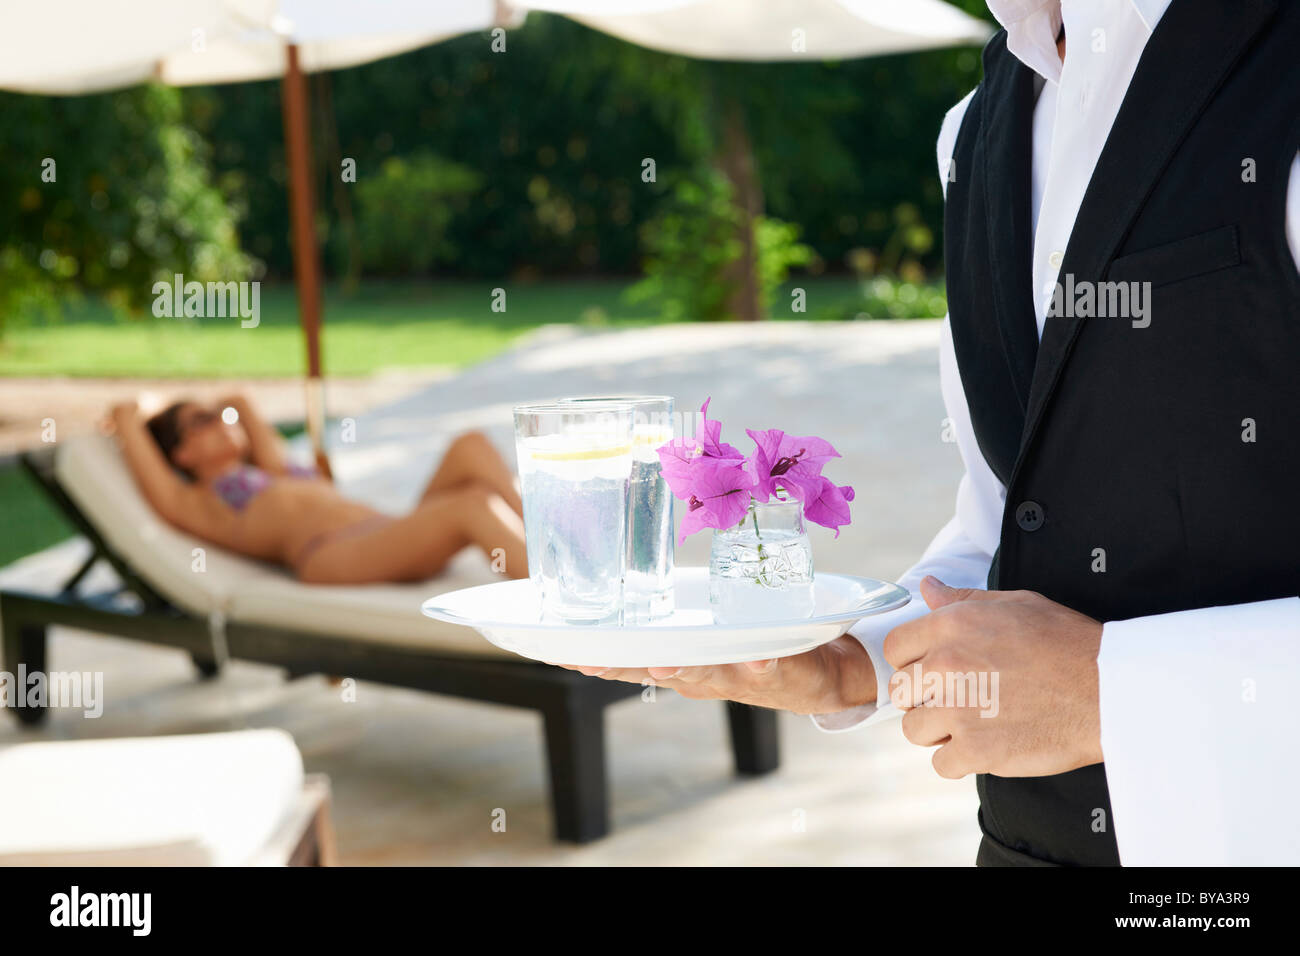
(870, 632)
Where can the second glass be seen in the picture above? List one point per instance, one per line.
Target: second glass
(648, 585)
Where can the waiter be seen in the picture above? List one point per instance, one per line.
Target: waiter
(1125, 554)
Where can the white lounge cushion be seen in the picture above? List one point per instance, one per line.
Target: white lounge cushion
(195, 800)
(95, 475)
(388, 613)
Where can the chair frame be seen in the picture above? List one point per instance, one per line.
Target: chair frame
(571, 705)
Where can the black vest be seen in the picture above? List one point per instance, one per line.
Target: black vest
(1170, 452)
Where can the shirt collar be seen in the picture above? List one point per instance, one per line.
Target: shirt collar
(1033, 25)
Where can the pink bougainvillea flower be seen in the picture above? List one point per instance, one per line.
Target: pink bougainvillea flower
(710, 435)
(789, 462)
(709, 475)
(676, 459)
(829, 507)
(682, 455)
(718, 482)
(718, 497)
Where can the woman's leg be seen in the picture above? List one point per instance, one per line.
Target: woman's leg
(419, 545)
(472, 457)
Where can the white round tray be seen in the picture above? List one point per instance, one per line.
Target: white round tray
(509, 615)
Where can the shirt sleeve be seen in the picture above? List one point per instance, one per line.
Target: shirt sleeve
(962, 552)
(1198, 730)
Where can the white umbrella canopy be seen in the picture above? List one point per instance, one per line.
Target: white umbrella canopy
(85, 46)
(775, 30)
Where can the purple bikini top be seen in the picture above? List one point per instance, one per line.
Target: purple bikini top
(237, 488)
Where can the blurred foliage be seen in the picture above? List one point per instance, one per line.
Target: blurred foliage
(691, 242)
(405, 212)
(559, 142)
(555, 131)
(106, 194)
(779, 250)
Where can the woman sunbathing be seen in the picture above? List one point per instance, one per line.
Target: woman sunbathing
(230, 483)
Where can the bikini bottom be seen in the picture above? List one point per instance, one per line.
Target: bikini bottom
(316, 542)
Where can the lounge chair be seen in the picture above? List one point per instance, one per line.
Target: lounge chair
(224, 799)
(237, 608)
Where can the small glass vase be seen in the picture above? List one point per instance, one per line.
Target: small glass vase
(762, 569)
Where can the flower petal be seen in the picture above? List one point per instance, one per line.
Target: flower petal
(830, 507)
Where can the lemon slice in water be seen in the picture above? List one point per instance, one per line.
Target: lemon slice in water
(580, 454)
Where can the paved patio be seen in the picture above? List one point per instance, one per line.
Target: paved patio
(417, 778)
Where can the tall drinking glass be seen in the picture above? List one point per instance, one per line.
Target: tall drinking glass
(648, 587)
(575, 462)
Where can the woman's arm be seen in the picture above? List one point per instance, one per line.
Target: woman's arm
(180, 504)
(153, 473)
(265, 444)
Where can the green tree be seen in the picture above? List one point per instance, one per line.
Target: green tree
(108, 194)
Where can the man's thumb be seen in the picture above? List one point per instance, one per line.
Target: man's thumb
(937, 594)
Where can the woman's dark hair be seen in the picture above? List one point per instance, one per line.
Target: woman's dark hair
(166, 430)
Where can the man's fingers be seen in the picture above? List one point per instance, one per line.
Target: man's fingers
(912, 640)
(951, 761)
(937, 594)
(908, 642)
(724, 681)
(907, 686)
(686, 675)
(927, 726)
(631, 675)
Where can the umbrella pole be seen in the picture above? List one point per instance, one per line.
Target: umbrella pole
(306, 259)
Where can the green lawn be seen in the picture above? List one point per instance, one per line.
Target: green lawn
(382, 325)
(28, 522)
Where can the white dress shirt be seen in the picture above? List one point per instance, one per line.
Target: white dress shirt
(1197, 726)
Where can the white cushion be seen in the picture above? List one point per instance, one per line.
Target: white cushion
(94, 474)
(387, 613)
(193, 800)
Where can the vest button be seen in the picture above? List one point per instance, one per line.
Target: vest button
(1030, 516)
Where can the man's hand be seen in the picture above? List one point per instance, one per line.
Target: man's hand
(1031, 708)
(833, 677)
